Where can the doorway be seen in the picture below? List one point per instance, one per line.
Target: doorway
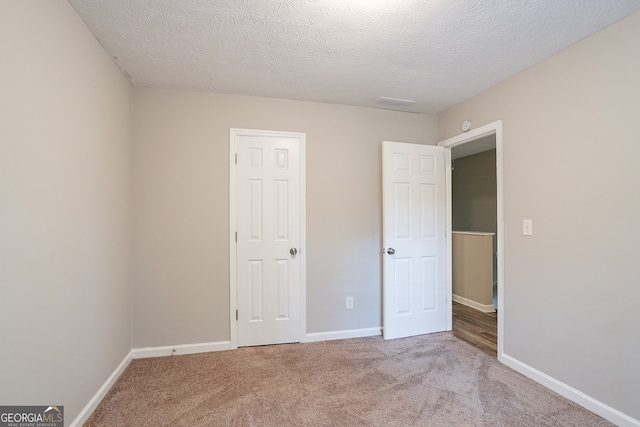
(267, 237)
(476, 141)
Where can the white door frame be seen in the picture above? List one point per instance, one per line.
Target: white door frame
(473, 135)
(302, 253)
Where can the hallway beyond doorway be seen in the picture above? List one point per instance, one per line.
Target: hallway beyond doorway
(475, 327)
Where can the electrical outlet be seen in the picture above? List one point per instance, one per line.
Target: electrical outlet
(349, 303)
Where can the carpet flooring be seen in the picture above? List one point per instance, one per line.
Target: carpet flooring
(429, 380)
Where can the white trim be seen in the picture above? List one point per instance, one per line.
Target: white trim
(233, 296)
(605, 411)
(234, 133)
(205, 347)
(303, 235)
(473, 304)
(143, 353)
(472, 135)
(582, 399)
(341, 335)
(86, 412)
(448, 211)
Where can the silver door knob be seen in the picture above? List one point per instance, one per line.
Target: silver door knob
(391, 251)
(293, 251)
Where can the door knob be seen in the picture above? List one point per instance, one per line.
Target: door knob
(293, 251)
(391, 251)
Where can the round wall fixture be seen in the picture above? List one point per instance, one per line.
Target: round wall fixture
(466, 125)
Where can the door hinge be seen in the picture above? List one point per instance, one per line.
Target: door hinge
(236, 314)
(236, 158)
(236, 236)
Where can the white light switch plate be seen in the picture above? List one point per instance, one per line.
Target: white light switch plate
(527, 227)
(349, 303)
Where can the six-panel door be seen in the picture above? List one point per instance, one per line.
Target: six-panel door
(268, 226)
(415, 247)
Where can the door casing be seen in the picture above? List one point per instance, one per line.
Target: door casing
(235, 133)
(470, 136)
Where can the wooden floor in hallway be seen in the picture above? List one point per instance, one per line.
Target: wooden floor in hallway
(477, 328)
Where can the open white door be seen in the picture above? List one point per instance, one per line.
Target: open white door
(415, 296)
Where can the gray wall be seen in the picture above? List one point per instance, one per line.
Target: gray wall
(473, 193)
(570, 150)
(65, 208)
(181, 208)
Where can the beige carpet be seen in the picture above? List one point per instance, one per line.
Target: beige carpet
(431, 380)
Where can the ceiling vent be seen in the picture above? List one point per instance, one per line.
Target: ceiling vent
(395, 101)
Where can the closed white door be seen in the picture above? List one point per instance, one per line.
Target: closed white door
(415, 246)
(268, 249)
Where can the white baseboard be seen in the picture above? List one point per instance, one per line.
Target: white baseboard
(140, 353)
(469, 303)
(205, 347)
(86, 412)
(341, 335)
(588, 402)
(145, 352)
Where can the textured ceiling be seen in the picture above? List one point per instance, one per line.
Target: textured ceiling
(434, 52)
